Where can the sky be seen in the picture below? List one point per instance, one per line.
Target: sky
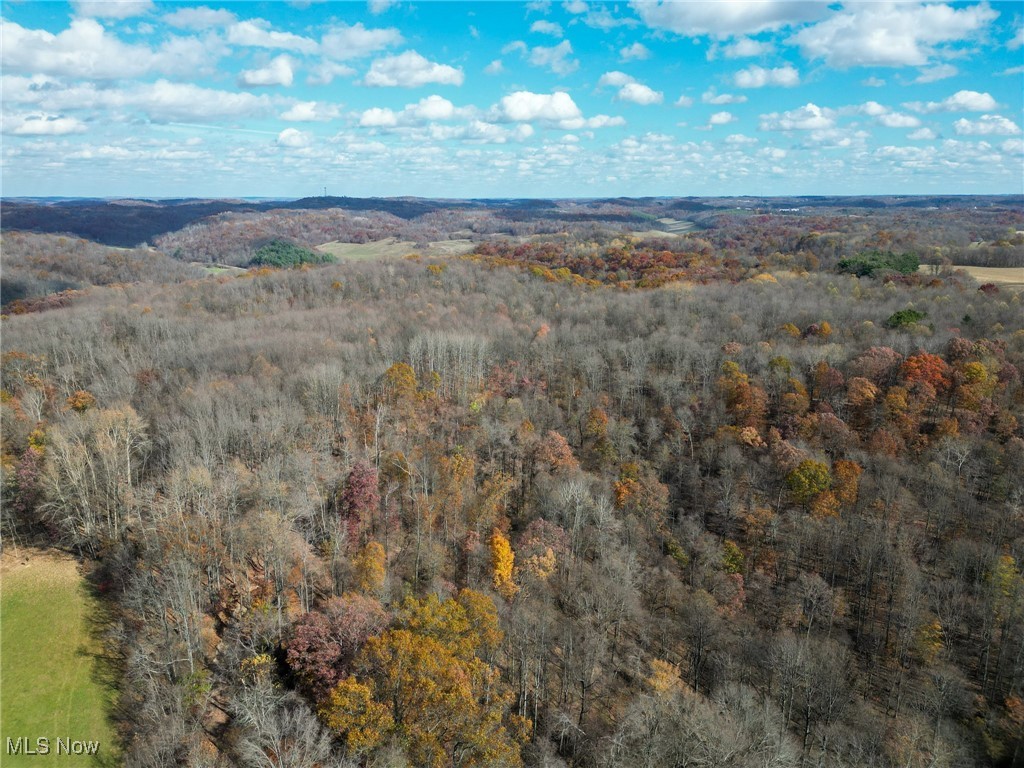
(136, 98)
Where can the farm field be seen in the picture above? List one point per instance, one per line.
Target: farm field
(1008, 277)
(394, 248)
(50, 677)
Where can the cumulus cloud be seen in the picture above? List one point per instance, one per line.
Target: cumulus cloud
(257, 33)
(343, 42)
(545, 27)
(710, 96)
(199, 18)
(638, 93)
(890, 34)
(525, 107)
(86, 50)
(873, 82)
(987, 125)
(325, 71)
(738, 17)
(809, 117)
(494, 68)
(745, 48)
(278, 72)
(635, 52)
(758, 77)
(684, 101)
(410, 70)
(378, 117)
(111, 9)
(961, 101)
(722, 118)
(377, 7)
(431, 108)
(292, 138)
(898, 120)
(922, 134)
(615, 79)
(310, 112)
(556, 58)
(41, 125)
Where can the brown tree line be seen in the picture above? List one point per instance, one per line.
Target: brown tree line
(399, 514)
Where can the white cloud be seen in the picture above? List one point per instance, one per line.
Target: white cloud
(898, 120)
(292, 138)
(410, 70)
(961, 101)
(938, 72)
(432, 108)
(344, 42)
(525, 107)
(745, 48)
(872, 108)
(635, 52)
(739, 139)
(684, 101)
(544, 27)
(809, 117)
(111, 9)
(1013, 146)
(494, 68)
(515, 45)
(1017, 40)
(726, 19)
(711, 97)
(41, 125)
(890, 34)
(85, 50)
(160, 101)
(722, 118)
(1010, 71)
(200, 18)
(987, 125)
(873, 82)
(377, 7)
(615, 79)
(324, 72)
(638, 93)
(758, 77)
(310, 112)
(575, 7)
(922, 134)
(378, 117)
(278, 72)
(256, 33)
(555, 58)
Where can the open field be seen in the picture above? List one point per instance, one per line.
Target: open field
(676, 226)
(394, 248)
(1005, 277)
(219, 269)
(50, 674)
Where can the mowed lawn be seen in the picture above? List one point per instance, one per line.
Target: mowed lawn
(50, 676)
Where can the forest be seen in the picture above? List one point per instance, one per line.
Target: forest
(599, 493)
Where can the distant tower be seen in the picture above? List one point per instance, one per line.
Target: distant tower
(325, 191)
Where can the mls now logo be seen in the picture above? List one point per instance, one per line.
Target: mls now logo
(25, 746)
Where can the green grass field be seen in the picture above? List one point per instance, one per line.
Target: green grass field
(50, 674)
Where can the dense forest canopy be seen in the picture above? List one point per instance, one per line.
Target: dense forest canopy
(593, 495)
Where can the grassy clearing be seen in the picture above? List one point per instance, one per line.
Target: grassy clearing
(1005, 277)
(219, 269)
(394, 248)
(51, 676)
(677, 226)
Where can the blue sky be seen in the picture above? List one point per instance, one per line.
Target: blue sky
(509, 99)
